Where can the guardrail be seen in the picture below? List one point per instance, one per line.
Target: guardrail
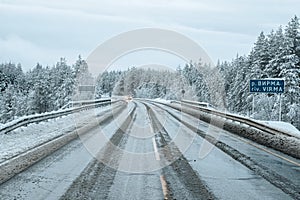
(73, 104)
(259, 133)
(241, 119)
(17, 163)
(23, 121)
(202, 104)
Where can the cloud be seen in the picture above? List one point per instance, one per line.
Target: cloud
(18, 50)
(15, 49)
(42, 31)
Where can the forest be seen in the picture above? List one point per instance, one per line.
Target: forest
(274, 55)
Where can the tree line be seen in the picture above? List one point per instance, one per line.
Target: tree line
(42, 89)
(274, 55)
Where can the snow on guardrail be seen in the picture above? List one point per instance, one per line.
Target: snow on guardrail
(23, 121)
(242, 119)
(248, 128)
(85, 102)
(282, 126)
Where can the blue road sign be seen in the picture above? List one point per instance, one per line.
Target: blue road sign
(267, 86)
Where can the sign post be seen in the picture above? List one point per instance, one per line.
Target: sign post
(270, 86)
(182, 92)
(279, 107)
(253, 103)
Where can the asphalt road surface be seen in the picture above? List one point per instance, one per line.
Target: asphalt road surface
(151, 151)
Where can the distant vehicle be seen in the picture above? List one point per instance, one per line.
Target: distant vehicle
(128, 98)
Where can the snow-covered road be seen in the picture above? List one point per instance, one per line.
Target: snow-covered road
(151, 151)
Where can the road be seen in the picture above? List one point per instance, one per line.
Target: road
(152, 151)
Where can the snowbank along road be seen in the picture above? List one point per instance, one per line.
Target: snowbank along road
(143, 149)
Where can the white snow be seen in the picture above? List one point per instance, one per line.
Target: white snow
(283, 126)
(24, 138)
(8, 124)
(162, 100)
(31, 116)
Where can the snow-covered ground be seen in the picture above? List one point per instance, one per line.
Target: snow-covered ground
(18, 119)
(162, 100)
(283, 126)
(24, 138)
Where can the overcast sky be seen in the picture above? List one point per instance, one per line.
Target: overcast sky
(42, 31)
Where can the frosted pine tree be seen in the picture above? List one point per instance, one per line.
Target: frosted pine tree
(275, 48)
(290, 71)
(259, 57)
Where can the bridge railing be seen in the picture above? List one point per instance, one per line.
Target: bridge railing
(76, 107)
(237, 118)
(283, 141)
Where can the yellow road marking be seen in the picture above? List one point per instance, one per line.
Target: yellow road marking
(164, 186)
(162, 177)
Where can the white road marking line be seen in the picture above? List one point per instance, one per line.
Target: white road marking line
(155, 149)
(164, 186)
(154, 143)
(162, 177)
(151, 128)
